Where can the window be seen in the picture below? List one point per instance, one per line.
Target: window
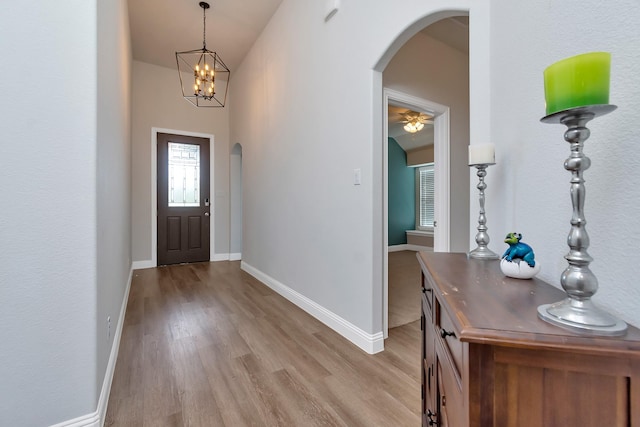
(184, 174)
(425, 197)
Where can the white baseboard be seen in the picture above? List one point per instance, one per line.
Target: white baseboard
(219, 257)
(137, 265)
(371, 343)
(408, 247)
(97, 418)
(235, 257)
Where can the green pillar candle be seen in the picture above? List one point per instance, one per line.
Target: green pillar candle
(577, 81)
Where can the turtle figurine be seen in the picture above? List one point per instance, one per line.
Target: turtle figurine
(518, 261)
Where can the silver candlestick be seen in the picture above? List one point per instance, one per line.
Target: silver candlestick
(577, 312)
(482, 238)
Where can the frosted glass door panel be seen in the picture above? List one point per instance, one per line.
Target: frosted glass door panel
(184, 174)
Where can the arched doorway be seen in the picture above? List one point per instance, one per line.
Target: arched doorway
(431, 64)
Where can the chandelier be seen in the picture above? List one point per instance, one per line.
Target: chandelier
(204, 78)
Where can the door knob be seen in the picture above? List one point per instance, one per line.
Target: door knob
(206, 214)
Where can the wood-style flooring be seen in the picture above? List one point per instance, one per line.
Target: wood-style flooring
(405, 294)
(208, 345)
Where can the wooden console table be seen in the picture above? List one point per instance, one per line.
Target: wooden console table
(488, 360)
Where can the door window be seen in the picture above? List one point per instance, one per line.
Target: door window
(184, 174)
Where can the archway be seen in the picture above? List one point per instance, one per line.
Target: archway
(460, 169)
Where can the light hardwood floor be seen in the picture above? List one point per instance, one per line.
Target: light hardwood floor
(404, 288)
(208, 345)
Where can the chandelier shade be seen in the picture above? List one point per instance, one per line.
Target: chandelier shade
(204, 77)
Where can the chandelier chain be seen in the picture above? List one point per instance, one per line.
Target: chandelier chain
(204, 28)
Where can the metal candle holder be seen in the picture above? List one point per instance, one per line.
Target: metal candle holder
(577, 312)
(482, 238)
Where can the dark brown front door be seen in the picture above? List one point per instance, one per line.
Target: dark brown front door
(183, 199)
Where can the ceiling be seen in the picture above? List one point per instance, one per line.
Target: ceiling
(160, 28)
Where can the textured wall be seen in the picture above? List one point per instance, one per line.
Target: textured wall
(528, 189)
(313, 91)
(113, 189)
(48, 221)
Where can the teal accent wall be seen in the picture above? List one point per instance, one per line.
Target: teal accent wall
(402, 195)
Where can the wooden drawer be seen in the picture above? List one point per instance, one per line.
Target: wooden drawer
(448, 337)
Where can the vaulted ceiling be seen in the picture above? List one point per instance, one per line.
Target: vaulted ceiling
(159, 28)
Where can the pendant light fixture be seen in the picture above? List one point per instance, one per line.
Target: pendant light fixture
(204, 78)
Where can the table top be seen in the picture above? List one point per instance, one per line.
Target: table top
(488, 307)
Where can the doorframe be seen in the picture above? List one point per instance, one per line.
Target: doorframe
(442, 233)
(154, 188)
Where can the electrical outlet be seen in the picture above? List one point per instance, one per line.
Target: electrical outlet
(108, 327)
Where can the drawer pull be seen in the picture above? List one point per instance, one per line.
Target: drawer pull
(430, 416)
(424, 290)
(444, 333)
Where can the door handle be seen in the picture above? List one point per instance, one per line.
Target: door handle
(206, 214)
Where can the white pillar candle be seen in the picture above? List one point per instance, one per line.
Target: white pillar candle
(482, 154)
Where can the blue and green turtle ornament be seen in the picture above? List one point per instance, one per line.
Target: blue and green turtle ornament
(518, 261)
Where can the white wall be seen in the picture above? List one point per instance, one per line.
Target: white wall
(315, 104)
(429, 69)
(48, 225)
(113, 173)
(157, 102)
(235, 191)
(65, 225)
(529, 185)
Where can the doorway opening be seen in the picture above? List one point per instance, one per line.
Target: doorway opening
(426, 71)
(397, 104)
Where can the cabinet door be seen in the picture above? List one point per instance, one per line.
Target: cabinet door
(428, 367)
(450, 404)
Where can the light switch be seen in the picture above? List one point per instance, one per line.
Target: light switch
(357, 177)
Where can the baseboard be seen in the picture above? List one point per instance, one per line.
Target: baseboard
(235, 257)
(137, 265)
(409, 247)
(97, 418)
(220, 257)
(371, 343)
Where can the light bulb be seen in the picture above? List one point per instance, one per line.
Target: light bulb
(197, 67)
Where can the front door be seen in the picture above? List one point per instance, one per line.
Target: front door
(183, 199)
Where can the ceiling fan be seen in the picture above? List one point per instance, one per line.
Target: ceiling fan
(415, 121)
